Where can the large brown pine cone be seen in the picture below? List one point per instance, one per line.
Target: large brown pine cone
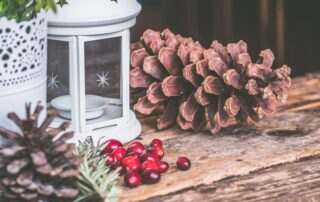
(156, 77)
(36, 165)
(211, 86)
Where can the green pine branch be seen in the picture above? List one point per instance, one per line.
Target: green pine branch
(96, 182)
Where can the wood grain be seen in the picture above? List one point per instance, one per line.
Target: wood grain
(298, 181)
(284, 137)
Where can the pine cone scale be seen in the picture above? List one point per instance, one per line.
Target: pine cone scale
(10, 152)
(174, 86)
(65, 192)
(29, 196)
(25, 178)
(9, 134)
(210, 112)
(267, 58)
(170, 113)
(45, 190)
(223, 116)
(213, 85)
(184, 125)
(232, 78)
(170, 60)
(45, 169)
(144, 106)
(139, 79)
(249, 111)
(39, 158)
(138, 56)
(199, 120)
(190, 74)
(202, 98)
(189, 108)
(154, 68)
(17, 165)
(155, 94)
(218, 66)
(202, 68)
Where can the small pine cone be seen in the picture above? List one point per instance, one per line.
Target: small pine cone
(37, 165)
(156, 77)
(228, 84)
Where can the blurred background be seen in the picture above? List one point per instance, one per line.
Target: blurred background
(291, 28)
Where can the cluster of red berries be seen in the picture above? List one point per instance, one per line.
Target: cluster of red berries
(139, 163)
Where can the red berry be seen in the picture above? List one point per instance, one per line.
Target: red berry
(132, 179)
(118, 166)
(134, 144)
(131, 163)
(183, 163)
(150, 176)
(163, 166)
(150, 165)
(138, 149)
(150, 157)
(119, 153)
(157, 150)
(156, 143)
(133, 154)
(111, 145)
(111, 159)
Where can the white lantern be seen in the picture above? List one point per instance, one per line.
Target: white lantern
(88, 68)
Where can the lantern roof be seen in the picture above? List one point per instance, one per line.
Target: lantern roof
(79, 13)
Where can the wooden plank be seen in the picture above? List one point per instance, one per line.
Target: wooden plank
(239, 150)
(297, 181)
(236, 151)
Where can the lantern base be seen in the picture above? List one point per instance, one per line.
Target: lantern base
(124, 133)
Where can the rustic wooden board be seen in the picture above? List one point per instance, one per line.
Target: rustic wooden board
(298, 181)
(287, 136)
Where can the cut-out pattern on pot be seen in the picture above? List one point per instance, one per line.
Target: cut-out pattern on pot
(23, 66)
(22, 51)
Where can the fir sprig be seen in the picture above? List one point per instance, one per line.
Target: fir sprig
(95, 182)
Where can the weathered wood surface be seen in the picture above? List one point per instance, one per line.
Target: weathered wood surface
(298, 181)
(285, 137)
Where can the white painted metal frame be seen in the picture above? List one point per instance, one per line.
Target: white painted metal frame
(73, 82)
(124, 83)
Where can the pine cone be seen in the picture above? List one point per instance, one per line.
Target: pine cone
(37, 165)
(200, 87)
(228, 84)
(156, 77)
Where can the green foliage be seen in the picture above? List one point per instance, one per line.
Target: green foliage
(24, 10)
(62, 2)
(95, 182)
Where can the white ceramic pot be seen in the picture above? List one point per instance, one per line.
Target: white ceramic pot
(23, 64)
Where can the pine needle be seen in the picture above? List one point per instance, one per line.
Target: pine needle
(96, 182)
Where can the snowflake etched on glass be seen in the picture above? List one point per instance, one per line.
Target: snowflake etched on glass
(58, 69)
(103, 79)
(53, 81)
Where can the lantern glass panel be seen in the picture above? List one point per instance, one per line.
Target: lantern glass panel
(103, 80)
(58, 69)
